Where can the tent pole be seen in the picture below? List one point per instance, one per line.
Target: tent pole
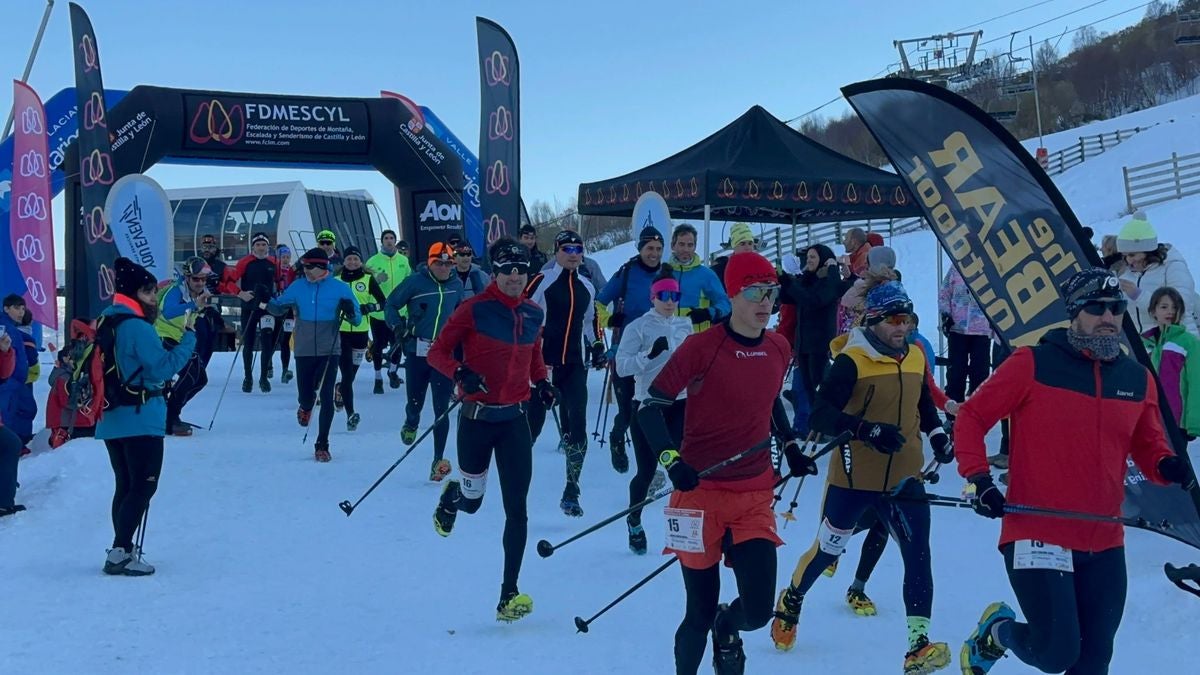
(937, 245)
(707, 239)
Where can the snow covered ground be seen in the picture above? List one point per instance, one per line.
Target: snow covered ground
(260, 572)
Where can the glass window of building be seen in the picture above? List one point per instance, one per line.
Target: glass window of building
(211, 218)
(266, 216)
(239, 218)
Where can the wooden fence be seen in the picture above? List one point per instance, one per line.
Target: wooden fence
(1162, 181)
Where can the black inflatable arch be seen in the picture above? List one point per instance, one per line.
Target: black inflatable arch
(231, 128)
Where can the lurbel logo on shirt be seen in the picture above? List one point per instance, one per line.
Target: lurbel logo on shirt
(1124, 394)
(743, 354)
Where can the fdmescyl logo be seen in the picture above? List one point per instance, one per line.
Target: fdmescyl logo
(748, 355)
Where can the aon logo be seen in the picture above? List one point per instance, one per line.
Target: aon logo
(440, 212)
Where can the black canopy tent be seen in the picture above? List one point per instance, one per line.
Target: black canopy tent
(757, 169)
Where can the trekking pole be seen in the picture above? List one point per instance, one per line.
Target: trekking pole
(603, 388)
(228, 376)
(349, 508)
(787, 516)
(930, 473)
(545, 549)
(582, 626)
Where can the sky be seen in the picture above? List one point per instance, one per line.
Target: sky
(605, 89)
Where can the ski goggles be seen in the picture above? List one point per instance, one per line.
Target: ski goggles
(511, 267)
(571, 249)
(896, 319)
(314, 264)
(760, 293)
(668, 296)
(1099, 307)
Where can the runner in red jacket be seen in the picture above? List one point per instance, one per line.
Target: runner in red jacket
(733, 373)
(499, 335)
(1079, 410)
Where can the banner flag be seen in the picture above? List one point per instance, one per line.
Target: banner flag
(139, 214)
(499, 130)
(96, 173)
(1009, 231)
(31, 226)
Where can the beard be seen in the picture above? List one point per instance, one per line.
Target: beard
(149, 311)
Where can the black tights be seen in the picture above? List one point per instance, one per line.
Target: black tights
(754, 565)
(643, 454)
(348, 365)
(313, 373)
(136, 463)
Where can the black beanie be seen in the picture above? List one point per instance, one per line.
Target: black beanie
(129, 277)
(648, 235)
(352, 250)
(315, 256)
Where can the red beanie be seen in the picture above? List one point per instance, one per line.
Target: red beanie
(746, 269)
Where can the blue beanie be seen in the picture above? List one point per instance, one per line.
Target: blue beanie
(885, 300)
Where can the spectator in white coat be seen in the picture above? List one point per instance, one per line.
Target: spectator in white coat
(1150, 266)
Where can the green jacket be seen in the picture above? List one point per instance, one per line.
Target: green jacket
(389, 270)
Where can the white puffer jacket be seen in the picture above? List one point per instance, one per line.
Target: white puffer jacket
(633, 352)
(1172, 272)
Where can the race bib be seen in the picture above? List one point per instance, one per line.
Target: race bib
(266, 323)
(833, 540)
(289, 325)
(423, 346)
(685, 530)
(356, 356)
(1031, 554)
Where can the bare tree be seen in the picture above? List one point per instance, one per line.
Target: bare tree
(1085, 37)
(1158, 9)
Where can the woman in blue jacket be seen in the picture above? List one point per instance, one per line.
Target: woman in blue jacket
(135, 420)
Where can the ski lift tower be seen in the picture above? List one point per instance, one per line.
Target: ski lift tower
(937, 58)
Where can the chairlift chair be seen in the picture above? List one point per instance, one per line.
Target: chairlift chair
(1187, 29)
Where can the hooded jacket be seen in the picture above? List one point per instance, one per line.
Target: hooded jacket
(629, 289)
(1173, 272)
(138, 346)
(1175, 354)
(476, 280)
(815, 296)
(429, 303)
(700, 288)
(633, 353)
(1074, 424)
(864, 385)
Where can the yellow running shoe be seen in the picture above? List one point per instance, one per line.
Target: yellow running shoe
(926, 657)
(513, 606)
(860, 603)
(832, 569)
(787, 615)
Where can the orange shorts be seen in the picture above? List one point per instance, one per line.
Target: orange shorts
(746, 515)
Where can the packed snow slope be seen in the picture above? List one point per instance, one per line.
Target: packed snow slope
(260, 572)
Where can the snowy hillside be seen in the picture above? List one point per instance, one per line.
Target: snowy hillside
(260, 572)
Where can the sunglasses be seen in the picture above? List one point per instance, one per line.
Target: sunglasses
(464, 254)
(760, 293)
(315, 266)
(324, 243)
(511, 268)
(897, 319)
(441, 263)
(571, 249)
(1117, 307)
(668, 296)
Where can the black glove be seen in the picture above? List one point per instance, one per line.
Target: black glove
(700, 315)
(683, 477)
(597, 356)
(400, 330)
(989, 501)
(947, 324)
(660, 345)
(885, 438)
(369, 307)
(346, 307)
(1174, 470)
(546, 393)
(617, 320)
(470, 381)
(799, 463)
(262, 293)
(943, 449)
